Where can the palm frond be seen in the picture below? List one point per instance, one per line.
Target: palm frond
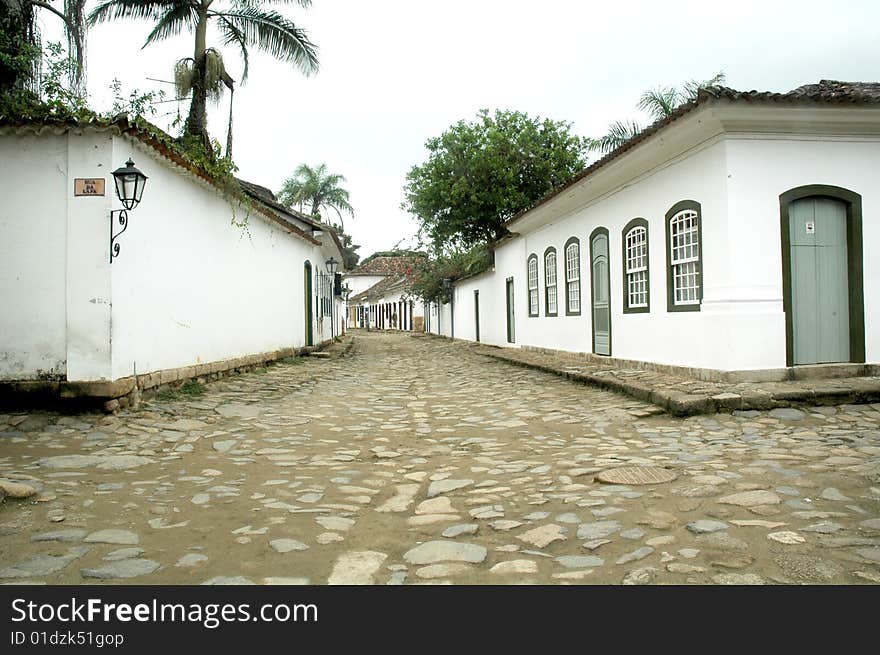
(619, 132)
(232, 35)
(274, 34)
(660, 102)
(305, 4)
(145, 9)
(692, 87)
(339, 200)
(178, 16)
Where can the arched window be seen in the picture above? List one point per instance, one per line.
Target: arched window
(550, 299)
(573, 277)
(684, 251)
(533, 285)
(636, 281)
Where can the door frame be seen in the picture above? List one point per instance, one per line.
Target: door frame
(854, 262)
(307, 272)
(593, 234)
(477, 314)
(509, 309)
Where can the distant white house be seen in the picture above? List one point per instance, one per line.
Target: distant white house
(201, 282)
(734, 236)
(380, 294)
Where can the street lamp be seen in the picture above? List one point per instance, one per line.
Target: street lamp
(129, 189)
(346, 292)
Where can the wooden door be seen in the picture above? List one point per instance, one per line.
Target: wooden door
(601, 293)
(819, 281)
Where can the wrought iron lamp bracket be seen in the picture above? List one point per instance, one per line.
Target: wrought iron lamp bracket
(122, 219)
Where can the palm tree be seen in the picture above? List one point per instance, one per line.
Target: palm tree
(317, 187)
(662, 101)
(619, 132)
(244, 23)
(73, 17)
(658, 103)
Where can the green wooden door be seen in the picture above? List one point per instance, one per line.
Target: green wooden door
(307, 292)
(511, 335)
(819, 281)
(601, 294)
(477, 313)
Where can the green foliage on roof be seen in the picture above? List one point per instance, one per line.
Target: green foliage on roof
(429, 275)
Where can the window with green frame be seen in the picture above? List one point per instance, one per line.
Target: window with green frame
(533, 284)
(573, 277)
(636, 274)
(550, 295)
(684, 256)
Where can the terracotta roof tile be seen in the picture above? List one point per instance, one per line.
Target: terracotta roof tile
(401, 265)
(824, 92)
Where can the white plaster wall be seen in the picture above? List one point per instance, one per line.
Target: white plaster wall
(659, 336)
(760, 170)
(89, 283)
(359, 283)
(189, 287)
(33, 245)
(741, 325)
(493, 326)
(443, 323)
(437, 321)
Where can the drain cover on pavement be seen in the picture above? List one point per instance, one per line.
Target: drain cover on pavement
(636, 475)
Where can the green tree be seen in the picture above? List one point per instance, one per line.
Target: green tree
(243, 23)
(481, 173)
(350, 257)
(430, 273)
(20, 54)
(657, 103)
(320, 189)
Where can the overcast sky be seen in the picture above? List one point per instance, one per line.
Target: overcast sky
(397, 72)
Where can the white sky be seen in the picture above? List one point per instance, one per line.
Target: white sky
(395, 73)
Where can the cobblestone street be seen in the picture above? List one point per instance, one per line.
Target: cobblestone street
(413, 460)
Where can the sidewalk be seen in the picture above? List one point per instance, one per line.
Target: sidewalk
(682, 396)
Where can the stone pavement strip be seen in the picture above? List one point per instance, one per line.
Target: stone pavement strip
(419, 461)
(684, 396)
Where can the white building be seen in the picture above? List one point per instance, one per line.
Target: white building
(734, 236)
(380, 294)
(202, 283)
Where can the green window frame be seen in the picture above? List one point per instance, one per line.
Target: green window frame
(684, 257)
(532, 285)
(551, 295)
(572, 259)
(636, 267)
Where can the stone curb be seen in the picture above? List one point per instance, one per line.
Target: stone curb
(677, 403)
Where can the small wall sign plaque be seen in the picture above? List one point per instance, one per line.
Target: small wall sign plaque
(88, 186)
(811, 227)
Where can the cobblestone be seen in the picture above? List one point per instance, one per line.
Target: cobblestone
(414, 461)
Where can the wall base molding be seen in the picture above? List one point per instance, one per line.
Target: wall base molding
(126, 392)
(803, 372)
